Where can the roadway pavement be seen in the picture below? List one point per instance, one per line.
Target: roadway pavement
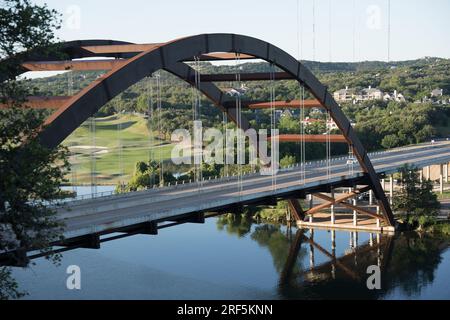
(107, 213)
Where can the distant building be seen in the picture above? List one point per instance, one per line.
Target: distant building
(367, 94)
(286, 113)
(308, 121)
(331, 125)
(370, 94)
(436, 93)
(344, 94)
(396, 96)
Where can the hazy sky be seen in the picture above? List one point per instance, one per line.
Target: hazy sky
(419, 27)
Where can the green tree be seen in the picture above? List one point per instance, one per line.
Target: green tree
(287, 161)
(416, 199)
(31, 174)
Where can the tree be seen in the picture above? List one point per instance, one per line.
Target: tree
(416, 199)
(287, 161)
(31, 174)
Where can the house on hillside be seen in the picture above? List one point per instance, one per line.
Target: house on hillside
(370, 94)
(436, 93)
(367, 94)
(286, 113)
(308, 121)
(331, 125)
(344, 95)
(395, 96)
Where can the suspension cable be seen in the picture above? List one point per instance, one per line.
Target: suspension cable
(151, 141)
(198, 159)
(272, 123)
(93, 160)
(299, 32)
(354, 32)
(389, 33)
(224, 125)
(73, 153)
(302, 136)
(240, 144)
(301, 92)
(314, 29)
(330, 56)
(119, 144)
(328, 145)
(159, 107)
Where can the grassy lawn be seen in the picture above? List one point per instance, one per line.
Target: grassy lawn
(136, 146)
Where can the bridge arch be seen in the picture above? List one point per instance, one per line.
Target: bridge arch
(170, 56)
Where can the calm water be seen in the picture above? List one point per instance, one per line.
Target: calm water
(233, 258)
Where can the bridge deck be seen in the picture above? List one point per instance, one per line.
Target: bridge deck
(106, 214)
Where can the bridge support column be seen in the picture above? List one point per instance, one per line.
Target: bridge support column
(311, 250)
(383, 184)
(333, 242)
(311, 205)
(391, 189)
(428, 175)
(351, 240)
(332, 216)
(446, 172)
(355, 214)
(378, 220)
(333, 253)
(421, 175)
(296, 209)
(370, 197)
(441, 179)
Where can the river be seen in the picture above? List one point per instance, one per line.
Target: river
(231, 257)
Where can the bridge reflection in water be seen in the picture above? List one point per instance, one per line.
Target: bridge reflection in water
(349, 268)
(321, 264)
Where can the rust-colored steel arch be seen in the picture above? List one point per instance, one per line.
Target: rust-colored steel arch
(171, 55)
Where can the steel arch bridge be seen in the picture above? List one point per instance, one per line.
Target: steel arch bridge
(134, 62)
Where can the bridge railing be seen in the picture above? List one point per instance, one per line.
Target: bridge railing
(188, 184)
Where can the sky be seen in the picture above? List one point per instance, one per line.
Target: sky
(355, 30)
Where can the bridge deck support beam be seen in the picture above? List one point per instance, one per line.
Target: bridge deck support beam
(89, 241)
(148, 228)
(391, 189)
(198, 217)
(352, 224)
